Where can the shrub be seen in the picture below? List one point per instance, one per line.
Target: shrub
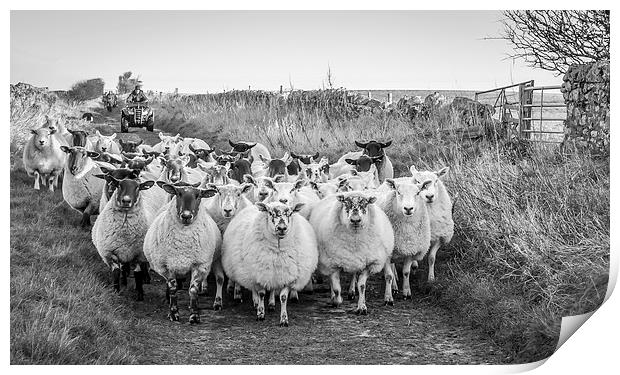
(86, 90)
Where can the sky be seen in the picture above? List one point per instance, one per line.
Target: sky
(212, 51)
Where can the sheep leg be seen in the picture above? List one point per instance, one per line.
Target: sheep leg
(361, 289)
(219, 284)
(260, 310)
(51, 181)
(139, 280)
(124, 273)
(431, 260)
(255, 299)
(230, 286)
(198, 275)
(271, 306)
(334, 280)
(36, 181)
(294, 297)
(173, 315)
(283, 313)
(146, 272)
(389, 281)
(237, 295)
(351, 294)
(116, 277)
(406, 271)
(395, 279)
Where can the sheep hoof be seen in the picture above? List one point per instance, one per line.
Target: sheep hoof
(406, 297)
(173, 316)
(351, 296)
(284, 323)
(260, 318)
(388, 303)
(194, 319)
(361, 311)
(271, 307)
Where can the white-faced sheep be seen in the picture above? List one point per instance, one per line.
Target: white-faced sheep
(373, 154)
(255, 150)
(291, 193)
(315, 171)
(355, 236)
(270, 247)
(106, 144)
(404, 205)
(229, 200)
(184, 239)
(166, 144)
(43, 157)
(439, 207)
(118, 233)
(80, 189)
(175, 170)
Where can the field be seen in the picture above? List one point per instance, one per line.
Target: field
(525, 219)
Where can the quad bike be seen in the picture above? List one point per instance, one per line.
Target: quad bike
(137, 115)
(109, 101)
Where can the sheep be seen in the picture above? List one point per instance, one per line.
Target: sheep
(216, 174)
(43, 157)
(184, 239)
(256, 149)
(294, 167)
(291, 193)
(79, 138)
(109, 188)
(315, 171)
(130, 146)
(175, 170)
(354, 235)
(239, 169)
(375, 150)
(273, 167)
(106, 144)
(439, 207)
(405, 206)
(80, 189)
(270, 247)
(118, 233)
(229, 200)
(166, 144)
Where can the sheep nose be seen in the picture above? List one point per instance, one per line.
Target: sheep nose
(284, 200)
(228, 211)
(103, 149)
(126, 200)
(430, 197)
(408, 210)
(356, 220)
(186, 215)
(42, 142)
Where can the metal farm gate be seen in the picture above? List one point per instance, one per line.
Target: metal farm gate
(525, 112)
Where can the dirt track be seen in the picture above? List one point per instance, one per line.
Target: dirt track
(410, 332)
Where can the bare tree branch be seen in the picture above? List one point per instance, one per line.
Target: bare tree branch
(553, 40)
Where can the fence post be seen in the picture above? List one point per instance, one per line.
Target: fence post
(281, 89)
(389, 99)
(525, 98)
(369, 95)
(249, 88)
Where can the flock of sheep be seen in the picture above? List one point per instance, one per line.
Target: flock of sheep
(267, 224)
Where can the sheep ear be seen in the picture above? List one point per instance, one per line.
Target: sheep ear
(279, 178)
(298, 207)
(170, 189)
(120, 141)
(262, 207)
(372, 200)
(413, 170)
(299, 184)
(149, 160)
(207, 193)
(53, 130)
(105, 170)
(351, 161)
(264, 159)
(440, 173)
(65, 149)
(386, 144)
(269, 183)
(147, 185)
(247, 178)
(161, 136)
(390, 182)
(314, 185)
(113, 136)
(425, 184)
(340, 198)
(211, 186)
(92, 154)
(141, 142)
(101, 176)
(315, 156)
(97, 133)
(245, 188)
(360, 144)
(294, 155)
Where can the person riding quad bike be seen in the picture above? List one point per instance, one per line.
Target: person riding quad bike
(137, 96)
(137, 112)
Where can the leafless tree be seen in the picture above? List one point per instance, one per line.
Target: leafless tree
(553, 39)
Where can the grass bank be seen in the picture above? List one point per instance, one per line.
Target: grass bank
(531, 237)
